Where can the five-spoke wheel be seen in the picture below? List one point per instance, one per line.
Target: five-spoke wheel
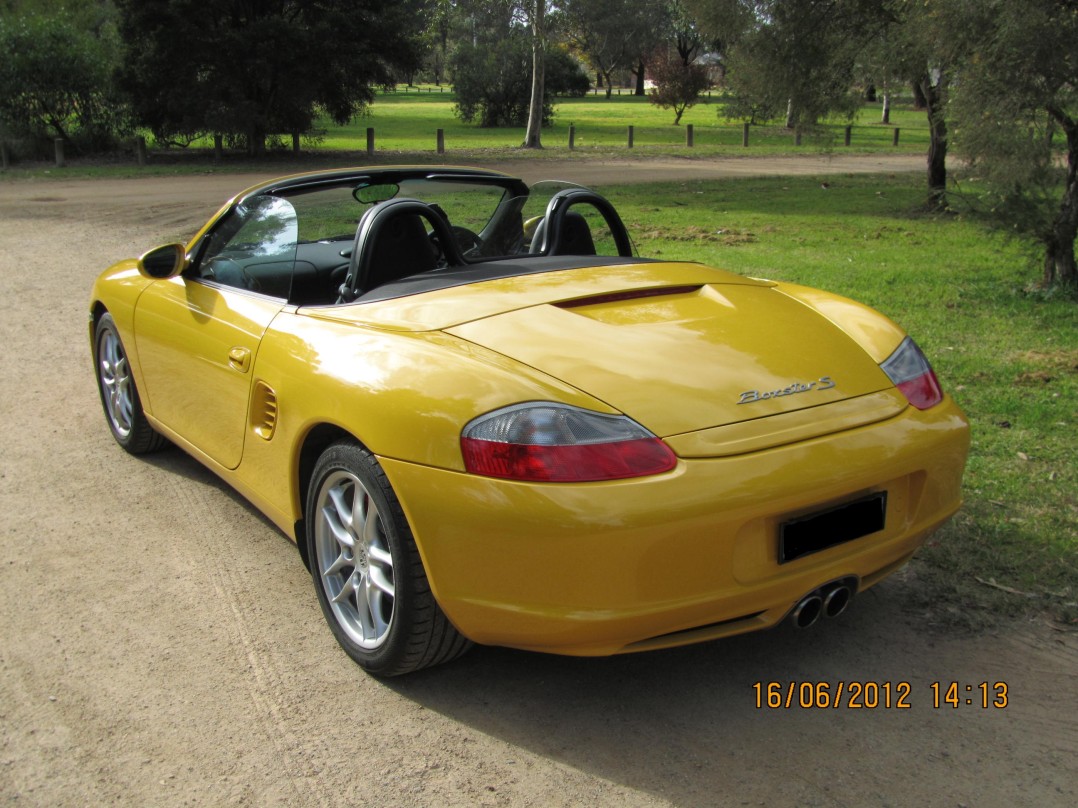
(115, 376)
(119, 396)
(367, 570)
(354, 559)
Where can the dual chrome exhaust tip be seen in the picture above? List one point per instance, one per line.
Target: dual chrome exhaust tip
(830, 600)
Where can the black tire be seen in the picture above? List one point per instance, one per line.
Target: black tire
(366, 569)
(119, 396)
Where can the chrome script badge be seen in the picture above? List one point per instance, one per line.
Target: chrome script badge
(823, 383)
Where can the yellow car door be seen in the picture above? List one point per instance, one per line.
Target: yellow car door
(197, 335)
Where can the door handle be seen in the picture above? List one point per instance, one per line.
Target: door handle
(240, 359)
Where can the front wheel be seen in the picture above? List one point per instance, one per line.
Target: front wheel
(119, 397)
(367, 572)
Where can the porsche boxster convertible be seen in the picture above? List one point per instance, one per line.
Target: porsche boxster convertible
(484, 419)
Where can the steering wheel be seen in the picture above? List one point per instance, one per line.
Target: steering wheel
(467, 241)
(230, 273)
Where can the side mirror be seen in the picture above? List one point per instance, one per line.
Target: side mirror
(164, 262)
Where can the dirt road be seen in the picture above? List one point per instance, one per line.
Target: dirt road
(160, 642)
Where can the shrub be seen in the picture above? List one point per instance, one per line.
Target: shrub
(565, 76)
(677, 85)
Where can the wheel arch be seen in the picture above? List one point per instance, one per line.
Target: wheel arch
(97, 311)
(315, 442)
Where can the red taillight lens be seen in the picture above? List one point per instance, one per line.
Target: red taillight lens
(911, 373)
(548, 442)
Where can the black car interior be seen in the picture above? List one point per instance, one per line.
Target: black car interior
(404, 246)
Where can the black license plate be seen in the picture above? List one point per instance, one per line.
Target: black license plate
(818, 531)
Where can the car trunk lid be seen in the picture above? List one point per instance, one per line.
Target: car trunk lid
(690, 357)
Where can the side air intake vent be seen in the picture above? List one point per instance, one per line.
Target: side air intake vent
(263, 411)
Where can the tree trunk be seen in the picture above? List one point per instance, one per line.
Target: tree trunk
(641, 71)
(256, 142)
(886, 117)
(937, 145)
(791, 120)
(533, 136)
(609, 85)
(919, 100)
(1059, 262)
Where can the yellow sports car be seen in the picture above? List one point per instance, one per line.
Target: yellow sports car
(482, 418)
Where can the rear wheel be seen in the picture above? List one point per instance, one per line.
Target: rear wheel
(367, 572)
(119, 397)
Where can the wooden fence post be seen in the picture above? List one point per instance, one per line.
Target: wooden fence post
(572, 137)
(745, 134)
(797, 138)
(688, 135)
(894, 140)
(630, 136)
(849, 134)
(441, 141)
(58, 145)
(370, 141)
(140, 150)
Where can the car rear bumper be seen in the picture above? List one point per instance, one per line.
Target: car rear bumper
(687, 556)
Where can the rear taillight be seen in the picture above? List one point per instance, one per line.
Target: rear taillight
(911, 373)
(549, 442)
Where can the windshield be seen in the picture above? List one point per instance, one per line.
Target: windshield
(332, 213)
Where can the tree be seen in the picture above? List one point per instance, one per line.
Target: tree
(685, 32)
(252, 69)
(436, 37)
(493, 85)
(677, 85)
(535, 12)
(492, 80)
(611, 34)
(804, 55)
(661, 24)
(55, 80)
(807, 51)
(489, 90)
(1018, 92)
(921, 46)
(668, 24)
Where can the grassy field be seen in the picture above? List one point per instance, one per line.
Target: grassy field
(1007, 353)
(407, 121)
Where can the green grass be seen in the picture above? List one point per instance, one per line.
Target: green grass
(406, 122)
(1007, 353)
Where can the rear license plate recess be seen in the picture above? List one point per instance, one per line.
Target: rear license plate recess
(818, 531)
